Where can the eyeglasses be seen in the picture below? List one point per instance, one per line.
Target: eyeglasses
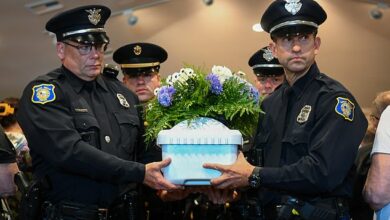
(85, 49)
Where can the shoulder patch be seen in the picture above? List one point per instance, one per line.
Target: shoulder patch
(345, 108)
(43, 93)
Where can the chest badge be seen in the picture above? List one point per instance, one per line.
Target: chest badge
(345, 108)
(122, 100)
(43, 93)
(304, 114)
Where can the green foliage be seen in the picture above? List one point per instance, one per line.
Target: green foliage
(237, 105)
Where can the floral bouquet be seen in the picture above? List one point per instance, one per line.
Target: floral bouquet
(193, 93)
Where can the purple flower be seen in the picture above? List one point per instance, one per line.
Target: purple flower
(216, 86)
(165, 95)
(254, 94)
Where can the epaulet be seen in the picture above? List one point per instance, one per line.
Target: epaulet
(331, 84)
(51, 76)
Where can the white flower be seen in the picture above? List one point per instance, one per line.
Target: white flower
(181, 77)
(175, 77)
(169, 80)
(240, 74)
(222, 72)
(156, 91)
(149, 106)
(188, 71)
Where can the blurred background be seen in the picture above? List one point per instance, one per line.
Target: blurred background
(355, 38)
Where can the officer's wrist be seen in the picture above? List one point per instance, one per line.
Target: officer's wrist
(254, 179)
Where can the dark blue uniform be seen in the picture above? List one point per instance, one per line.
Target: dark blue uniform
(84, 136)
(310, 135)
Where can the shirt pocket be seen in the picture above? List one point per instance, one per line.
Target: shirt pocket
(129, 132)
(88, 128)
(296, 145)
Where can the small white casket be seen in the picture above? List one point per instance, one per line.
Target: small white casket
(204, 140)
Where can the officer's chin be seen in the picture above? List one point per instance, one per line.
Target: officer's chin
(144, 97)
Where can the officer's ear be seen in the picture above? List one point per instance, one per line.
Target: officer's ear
(273, 48)
(125, 78)
(60, 47)
(317, 44)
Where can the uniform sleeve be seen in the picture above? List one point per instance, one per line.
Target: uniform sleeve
(332, 147)
(52, 135)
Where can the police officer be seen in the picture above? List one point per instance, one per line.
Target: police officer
(269, 73)
(83, 129)
(140, 64)
(311, 130)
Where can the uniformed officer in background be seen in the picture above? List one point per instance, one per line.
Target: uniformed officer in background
(311, 130)
(140, 63)
(269, 73)
(83, 129)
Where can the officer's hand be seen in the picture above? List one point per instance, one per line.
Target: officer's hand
(154, 178)
(220, 196)
(233, 176)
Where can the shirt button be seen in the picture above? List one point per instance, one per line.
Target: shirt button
(107, 138)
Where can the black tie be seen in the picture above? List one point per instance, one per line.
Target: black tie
(99, 109)
(276, 136)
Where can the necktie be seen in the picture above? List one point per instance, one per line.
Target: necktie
(99, 108)
(274, 156)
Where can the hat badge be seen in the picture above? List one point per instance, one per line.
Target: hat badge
(267, 55)
(94, 15)
(293, 6)
(137, 50)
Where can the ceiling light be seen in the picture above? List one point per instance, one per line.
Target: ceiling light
(132, 20)
(208, 2)
(257, 28)
(44, 6)
(376, 14)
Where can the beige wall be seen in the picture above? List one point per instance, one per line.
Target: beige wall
(355, 48)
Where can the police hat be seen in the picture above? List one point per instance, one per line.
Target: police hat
(140, 57)
(83, 24)
(293, 15)
(264, 63)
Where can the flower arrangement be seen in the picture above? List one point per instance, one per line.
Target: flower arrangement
(193, 93)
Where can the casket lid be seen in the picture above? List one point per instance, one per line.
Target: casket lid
(200, 131)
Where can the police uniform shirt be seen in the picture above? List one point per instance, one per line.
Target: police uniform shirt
(323, 128)
(86, 158)
(7, 150)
